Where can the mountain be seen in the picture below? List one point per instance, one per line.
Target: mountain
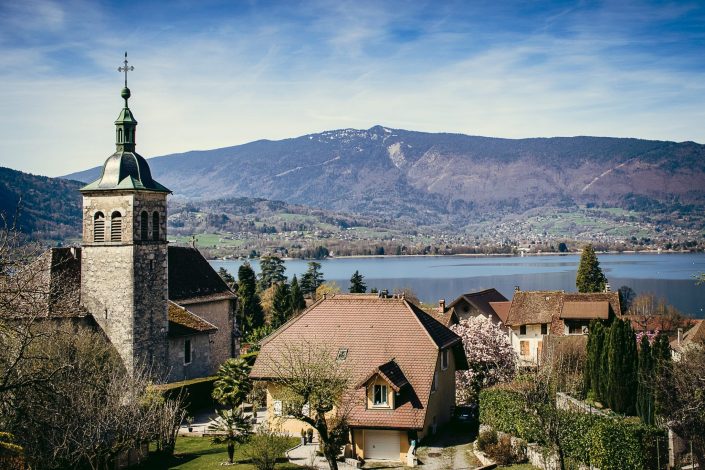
(442, 178)
(46, 208)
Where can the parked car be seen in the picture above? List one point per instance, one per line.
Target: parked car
(467, 414)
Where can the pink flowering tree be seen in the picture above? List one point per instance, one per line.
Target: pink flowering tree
(490, 356)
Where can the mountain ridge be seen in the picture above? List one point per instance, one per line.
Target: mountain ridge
(429, 177)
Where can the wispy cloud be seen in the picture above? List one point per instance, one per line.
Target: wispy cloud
(224, 73)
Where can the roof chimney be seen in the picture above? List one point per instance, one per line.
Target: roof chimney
(442, 305)
(680, 336)
(607, 287)
(516, 289)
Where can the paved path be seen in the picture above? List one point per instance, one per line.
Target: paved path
(305, 455)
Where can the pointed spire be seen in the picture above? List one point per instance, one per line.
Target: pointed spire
(126, 123)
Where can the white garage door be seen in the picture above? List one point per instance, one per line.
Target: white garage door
(382, 445)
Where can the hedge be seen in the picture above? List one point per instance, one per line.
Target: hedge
(604, 442)
(503, 409)
(197, 393)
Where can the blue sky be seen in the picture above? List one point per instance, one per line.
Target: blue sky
(211, 74)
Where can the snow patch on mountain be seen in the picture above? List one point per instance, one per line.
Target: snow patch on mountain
(396, 155)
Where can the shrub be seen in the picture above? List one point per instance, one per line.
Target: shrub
(486, 439)
(265, 448)
(617, 444)
(196, 393)
(502, 452)
(503, 409)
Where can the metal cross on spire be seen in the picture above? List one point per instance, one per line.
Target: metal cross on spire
(126, 68)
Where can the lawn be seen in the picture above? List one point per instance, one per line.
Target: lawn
(198, 453)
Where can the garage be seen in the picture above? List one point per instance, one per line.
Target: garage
(381, 445)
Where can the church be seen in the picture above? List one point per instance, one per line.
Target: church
(160, 306)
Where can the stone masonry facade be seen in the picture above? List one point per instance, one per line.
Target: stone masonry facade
(124, 283)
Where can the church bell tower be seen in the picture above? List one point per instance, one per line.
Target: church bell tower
(124, 256)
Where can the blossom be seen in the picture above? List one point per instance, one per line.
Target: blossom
(491, 358)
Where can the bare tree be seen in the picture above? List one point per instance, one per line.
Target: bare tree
(315, 387)
(680, 398)
(560, 371)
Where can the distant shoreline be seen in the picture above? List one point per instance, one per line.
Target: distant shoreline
(478, 255)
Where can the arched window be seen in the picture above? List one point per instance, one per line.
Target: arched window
(116, 227)
(144, 229)
(98, 227)
(155, 226)
(119, 136)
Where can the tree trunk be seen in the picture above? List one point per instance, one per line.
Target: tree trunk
(332, 463)
(231, 451)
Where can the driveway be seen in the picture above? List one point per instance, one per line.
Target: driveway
(449, 449)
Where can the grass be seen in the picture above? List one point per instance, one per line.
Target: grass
(194, 453)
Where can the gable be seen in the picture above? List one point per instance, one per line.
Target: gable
(192, 277)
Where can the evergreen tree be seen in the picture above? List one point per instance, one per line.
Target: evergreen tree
(593, 362)
(661, 356)
(312, 278)
(272, 272)
(281, 305)
(622, 375)
(357, 284)
(226, 277)
(590, 277)
(645, 394)
(297, 297)
(249, 307)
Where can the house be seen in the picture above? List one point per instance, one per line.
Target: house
(694, 337)
(473, 304)
(160, 306)
(402, 362)
(534, 315)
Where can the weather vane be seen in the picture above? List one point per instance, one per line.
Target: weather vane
(126, 68)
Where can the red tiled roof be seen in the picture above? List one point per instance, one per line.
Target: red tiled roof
(586, 310)
(501, 309)
(533, 307)
(183, 322)
(375, 331)
(696, 334)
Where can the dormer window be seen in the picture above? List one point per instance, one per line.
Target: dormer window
(379, 397)
(98, 227)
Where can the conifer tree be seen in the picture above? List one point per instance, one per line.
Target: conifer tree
(593, 363)
(622, 372)
(357, 284)
(297, 297)
(590, 277)
(644, 394)
(249, 306)
(272, 272)
(312, 278)
(281, 305)
(661, 355)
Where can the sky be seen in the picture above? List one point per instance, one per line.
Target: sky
(211, 74)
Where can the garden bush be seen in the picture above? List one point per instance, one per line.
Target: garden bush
(486, 439)
(503, 409)
(197, 393)
(502, 452)
(604, 442)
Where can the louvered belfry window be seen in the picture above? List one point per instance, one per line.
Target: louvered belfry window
(155, 226)
(116, 227)
(98, 227)
(144, 229)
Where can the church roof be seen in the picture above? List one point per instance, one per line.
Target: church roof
(183, 322)
(125, 170)
(192, 278)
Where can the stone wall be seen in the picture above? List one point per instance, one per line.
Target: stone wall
(219, 313)
(200, 365)
(124, 283)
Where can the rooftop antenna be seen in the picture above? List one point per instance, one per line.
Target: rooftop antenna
(126, 68)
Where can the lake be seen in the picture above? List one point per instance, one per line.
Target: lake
(667, 275)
